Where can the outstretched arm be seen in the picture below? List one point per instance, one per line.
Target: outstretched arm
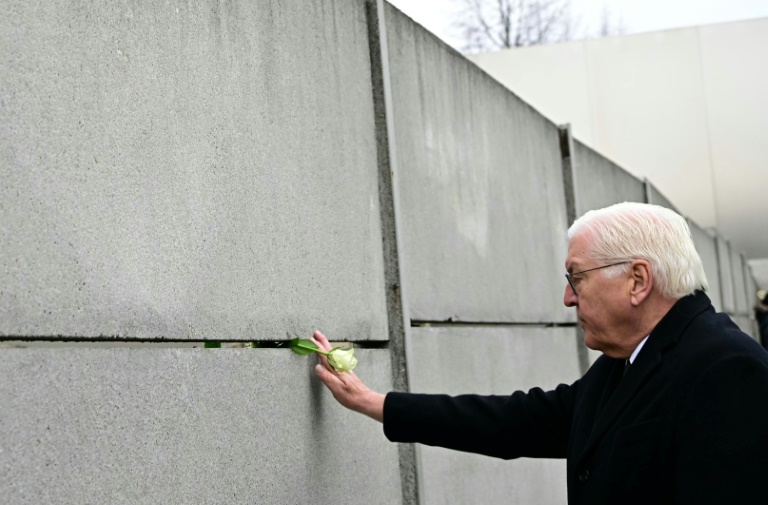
(346, 387)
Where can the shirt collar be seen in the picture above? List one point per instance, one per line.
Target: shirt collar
(637, 350)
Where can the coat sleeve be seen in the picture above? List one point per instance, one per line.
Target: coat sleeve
(534, 424)
(722, 456)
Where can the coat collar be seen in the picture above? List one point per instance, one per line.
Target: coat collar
(616, 396)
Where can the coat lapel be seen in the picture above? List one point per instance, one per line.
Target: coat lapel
(615, 399)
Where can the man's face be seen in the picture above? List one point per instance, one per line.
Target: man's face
(602, 305)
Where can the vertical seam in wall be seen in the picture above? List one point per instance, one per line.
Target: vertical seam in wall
(719, 273)
(567, 158)
(733, 276)
(647, 188)
(569, 177)
(392, 245)
(707, 125)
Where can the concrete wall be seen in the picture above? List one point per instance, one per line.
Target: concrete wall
(599, 182)
(481, 185)
(706, 246)
(727, 293)
(507, 359)
(480, 174)
(178, 174)
(189, 171)
(759, 269)
(656, 197)
(186, 426)
(739, 286)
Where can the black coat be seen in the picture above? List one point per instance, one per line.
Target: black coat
(688, 423)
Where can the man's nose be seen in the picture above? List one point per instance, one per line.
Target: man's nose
(569, 297)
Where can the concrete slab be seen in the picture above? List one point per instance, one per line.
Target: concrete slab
(599, 182)
(759, 267)
(187, 426)
(727, 295)
(751, 285)
(656, 197)
(498, 360)
(480, 179)
(742, 305)
(201, 171)
(706, 246)
(747, 325)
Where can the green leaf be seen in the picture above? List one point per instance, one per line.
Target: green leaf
(212, 345)
(303, 347)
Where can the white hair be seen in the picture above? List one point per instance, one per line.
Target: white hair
(630, 231)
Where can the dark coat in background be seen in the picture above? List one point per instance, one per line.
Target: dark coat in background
(688, 423)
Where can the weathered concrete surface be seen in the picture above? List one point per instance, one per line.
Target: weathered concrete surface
(599, 182)
(747, 325)
(759, 268)
(751, 284)
(741, 304)
(177, 170)
(706, 246)
(497, 360)
(187, 426)
(727, 296)
(656, 197)
(481, 189)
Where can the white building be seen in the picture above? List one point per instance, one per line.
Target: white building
(686, 108)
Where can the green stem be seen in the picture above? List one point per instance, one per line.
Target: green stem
(313, 349)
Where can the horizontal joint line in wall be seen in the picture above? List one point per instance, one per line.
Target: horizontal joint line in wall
(444, 324)
(81, 341)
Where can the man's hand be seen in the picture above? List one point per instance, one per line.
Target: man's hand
(346, 387)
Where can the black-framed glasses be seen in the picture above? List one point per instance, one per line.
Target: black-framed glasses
(570, 280)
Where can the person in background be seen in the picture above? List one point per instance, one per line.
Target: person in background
(674, 411)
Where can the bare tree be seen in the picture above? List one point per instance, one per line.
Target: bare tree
(499, 24)
(609, 25)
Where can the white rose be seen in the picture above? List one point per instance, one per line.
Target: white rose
(342, 360)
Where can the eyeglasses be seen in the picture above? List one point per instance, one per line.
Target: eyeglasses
(570, 279)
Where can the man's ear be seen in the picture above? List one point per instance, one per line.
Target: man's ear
(641, 281)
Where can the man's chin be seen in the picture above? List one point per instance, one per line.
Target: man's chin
(590, 342)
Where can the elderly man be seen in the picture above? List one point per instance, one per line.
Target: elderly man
(674, 411)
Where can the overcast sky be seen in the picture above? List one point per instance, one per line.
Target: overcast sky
(636, 15)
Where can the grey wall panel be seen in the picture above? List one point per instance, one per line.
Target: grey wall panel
(497, 360)
(739, 288)
(752, 288)
(751, 285)
(726, 275)
(188, 170)
(187, 426)
(599, 182)
(481, 189)
(747, 325)
(759, 268)
(654, 196)
(706, 246)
